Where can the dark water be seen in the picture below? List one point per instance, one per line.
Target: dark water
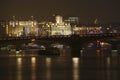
(92, 64)
(37, 67)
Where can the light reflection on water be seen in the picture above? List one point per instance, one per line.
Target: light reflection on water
(108, 61)
(19, 68)
(48, 66)
(108, 72)
(28, 65)
(33, 68)
(75, 68)
(99, 67)
(61, 68)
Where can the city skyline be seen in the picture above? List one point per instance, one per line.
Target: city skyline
(86, 10)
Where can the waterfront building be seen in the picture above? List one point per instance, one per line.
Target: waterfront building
(3, 28)
(59, 19)
(79, 30)
(44, 28)
(23, 28)
(72, 20)
(60, 27)
(17, 28)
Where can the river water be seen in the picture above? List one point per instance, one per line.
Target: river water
(92, 64)
(41, 67)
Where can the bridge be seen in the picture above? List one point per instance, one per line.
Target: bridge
(61, 38)
(74, 41)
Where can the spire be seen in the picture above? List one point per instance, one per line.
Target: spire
(96, 21)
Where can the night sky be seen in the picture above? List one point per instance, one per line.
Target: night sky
(106, 11)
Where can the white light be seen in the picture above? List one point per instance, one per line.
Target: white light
(19, 60)
(102, 43)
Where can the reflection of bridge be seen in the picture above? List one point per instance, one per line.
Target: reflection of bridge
(75, 41)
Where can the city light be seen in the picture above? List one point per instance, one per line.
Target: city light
(18, 28)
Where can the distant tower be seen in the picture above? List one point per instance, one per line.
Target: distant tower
(13, 18)
(14, 21)
(59, 19)
(96, 21)
(32, 18)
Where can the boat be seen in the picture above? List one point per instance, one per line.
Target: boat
(31, 47)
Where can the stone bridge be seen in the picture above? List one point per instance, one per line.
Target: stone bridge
(75, 41)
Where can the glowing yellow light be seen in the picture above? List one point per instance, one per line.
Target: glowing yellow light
(75, 68)
(33, 60)
(7, 29)
(19, 60)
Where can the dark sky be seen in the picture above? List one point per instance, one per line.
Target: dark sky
(87, 10)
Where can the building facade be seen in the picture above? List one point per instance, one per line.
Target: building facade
(3, 28)
(72, 20)
(22, 28)
(87, 30)
(60, 27)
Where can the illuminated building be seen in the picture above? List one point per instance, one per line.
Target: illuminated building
(87, 30)
(3, 28)
(58, 28)
(16, 28)
(45, 29)
(72, 20)
(59, 19)
(23, 28)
